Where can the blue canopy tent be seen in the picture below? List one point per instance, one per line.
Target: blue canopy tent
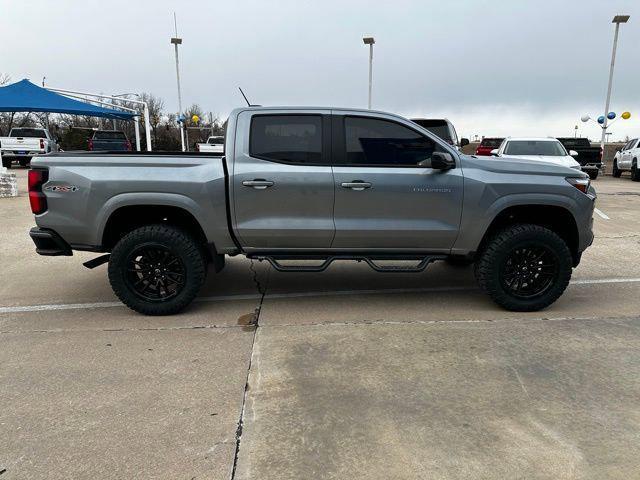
(24, 96)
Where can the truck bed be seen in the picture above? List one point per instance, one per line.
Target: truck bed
(85, 189)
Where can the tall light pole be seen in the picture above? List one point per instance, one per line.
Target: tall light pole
(370, 41)
(178, 41)
(618, 19)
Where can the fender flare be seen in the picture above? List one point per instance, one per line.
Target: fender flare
(133, 199)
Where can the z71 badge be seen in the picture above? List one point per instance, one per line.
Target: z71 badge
(61, 188)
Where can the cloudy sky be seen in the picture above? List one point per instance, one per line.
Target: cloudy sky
(494, 68)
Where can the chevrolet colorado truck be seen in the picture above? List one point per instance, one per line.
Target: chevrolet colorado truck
(321, 184)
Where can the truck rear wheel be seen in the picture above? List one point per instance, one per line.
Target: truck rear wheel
(157, 270)
(635, 173)
(524, 267)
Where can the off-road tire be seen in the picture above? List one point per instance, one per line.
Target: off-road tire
(593, 174)
(492, 259)
(181, 245)
(616, 172)
(635, 173)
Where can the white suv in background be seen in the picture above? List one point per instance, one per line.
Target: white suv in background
(544, 149)
(626, 160)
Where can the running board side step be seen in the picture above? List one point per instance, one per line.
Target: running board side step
(422, 262)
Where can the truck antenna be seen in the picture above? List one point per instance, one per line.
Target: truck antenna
(245, 97)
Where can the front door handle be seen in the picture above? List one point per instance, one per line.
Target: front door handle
(357, 185)
(258, 183)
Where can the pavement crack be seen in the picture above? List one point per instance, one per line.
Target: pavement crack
(256, 323)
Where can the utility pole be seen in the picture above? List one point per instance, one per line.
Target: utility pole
(178, 41)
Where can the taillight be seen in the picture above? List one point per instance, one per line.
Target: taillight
(42, 144)
(36, 178)
(127, 145)
(90, 144)
(581, 184)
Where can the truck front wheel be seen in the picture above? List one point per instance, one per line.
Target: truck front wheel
(157, 269)
(524, 267)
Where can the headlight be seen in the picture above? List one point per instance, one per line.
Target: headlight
(581, 184)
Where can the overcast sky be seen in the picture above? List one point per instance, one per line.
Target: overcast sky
(494, 68)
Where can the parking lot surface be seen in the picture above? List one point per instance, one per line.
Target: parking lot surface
(347, 374)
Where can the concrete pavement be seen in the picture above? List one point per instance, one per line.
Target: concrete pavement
(352, 374)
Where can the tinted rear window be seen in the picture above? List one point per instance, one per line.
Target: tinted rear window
(109, 136)
(491, 142)
(28, 132)
(287, 138)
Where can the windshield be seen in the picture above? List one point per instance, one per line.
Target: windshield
(491, 142)
(575, 142)
(28, 132)
(535, 147)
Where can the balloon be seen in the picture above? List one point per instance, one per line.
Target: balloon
(601, 119)
(195, 119)
(611, 115)
(626, 115)
(585, 118)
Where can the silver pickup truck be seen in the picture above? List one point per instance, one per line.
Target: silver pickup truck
(322, 184)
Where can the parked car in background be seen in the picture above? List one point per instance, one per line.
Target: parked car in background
(24, 143)
(214, 144)
(487, 144)
(627, 160)
(323, 184)
(442, 128)
(589, 158)
(544, 149)
(111, 140)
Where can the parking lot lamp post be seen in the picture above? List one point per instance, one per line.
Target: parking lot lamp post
(370, 41)
(618, 19)
(178, 41)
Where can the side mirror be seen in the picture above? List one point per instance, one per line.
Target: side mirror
(573, 153)
(438, 161)
(464, 142)
(494, 152)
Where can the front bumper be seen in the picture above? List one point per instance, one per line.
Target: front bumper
(49, 242)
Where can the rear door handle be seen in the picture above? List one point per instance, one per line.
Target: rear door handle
(357, 185)
(258, 183)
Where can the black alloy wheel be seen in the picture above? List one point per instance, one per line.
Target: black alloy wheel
(155, 273)
(529, 271)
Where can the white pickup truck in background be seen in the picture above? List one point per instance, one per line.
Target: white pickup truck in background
(24, 143)
(215, 144)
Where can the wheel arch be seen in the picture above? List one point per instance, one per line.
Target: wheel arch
(556, 218)
(122, 215)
